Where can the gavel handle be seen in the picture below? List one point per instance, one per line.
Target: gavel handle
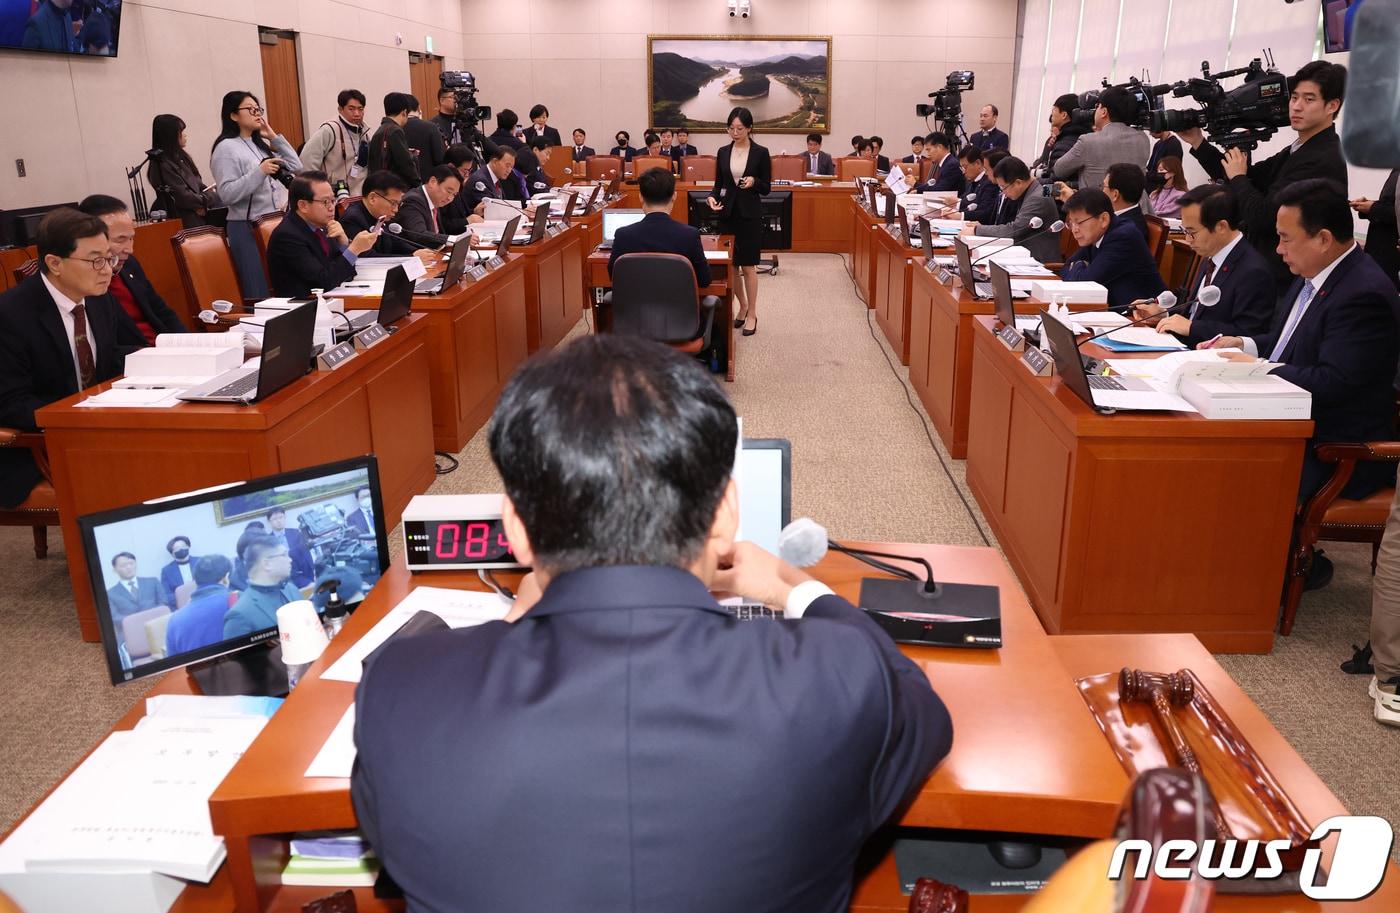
(1185, 756)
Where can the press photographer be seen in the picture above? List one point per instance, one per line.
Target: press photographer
(1088, 160)
(1315, 98)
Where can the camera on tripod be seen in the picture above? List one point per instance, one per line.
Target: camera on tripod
(463, 86)
(1242, 117)
(947, 101)
(1144, 96)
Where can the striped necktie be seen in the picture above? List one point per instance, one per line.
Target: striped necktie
(1300, 307)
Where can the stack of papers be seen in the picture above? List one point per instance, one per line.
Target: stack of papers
(1170, 370)
(374, 269)
(1140, 339)
(135, 397)
(331, 861)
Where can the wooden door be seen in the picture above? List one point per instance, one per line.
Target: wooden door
(425, 72)
(282, 84)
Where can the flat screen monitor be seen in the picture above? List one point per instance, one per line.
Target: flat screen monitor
(765, 490)
(88, 27)
(1001, 293)
(613, 219)
(1337, 19)
(247, 549)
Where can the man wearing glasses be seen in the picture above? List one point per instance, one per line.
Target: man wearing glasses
(269, 567)
(383, 195)
(310, 248)
(59, 333)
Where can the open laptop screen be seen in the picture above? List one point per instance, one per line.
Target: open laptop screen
(764, 477)
(1066, 354)
(1001, 292)
(613, 219)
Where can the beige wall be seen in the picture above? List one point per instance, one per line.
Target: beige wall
(78, 123)
(586, 59)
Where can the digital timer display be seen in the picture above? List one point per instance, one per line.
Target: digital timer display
(458, 543)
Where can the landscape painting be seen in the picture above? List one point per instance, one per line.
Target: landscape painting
(696, 81)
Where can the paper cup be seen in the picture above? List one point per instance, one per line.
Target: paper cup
(303, 637)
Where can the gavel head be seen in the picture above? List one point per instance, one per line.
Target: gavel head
(1179, 687)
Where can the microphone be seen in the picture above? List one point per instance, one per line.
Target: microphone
(1025, 235)
(1209, 296)
(408, 237)
(804, 542)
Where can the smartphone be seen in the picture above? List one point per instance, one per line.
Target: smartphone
(379, 225)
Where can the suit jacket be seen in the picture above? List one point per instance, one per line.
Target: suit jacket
(49, 29)
(623, 152)
(1381, 235)
(481, 185)
(746, 203)
(582, 153)
(987, 140)
(882, 163)
(985, 194)
(658, 233)
(1343, 351)
(303, 568)
(1088, 161)
(507, 139)
(1135, 217)
(1044, 245)
(1319, 157)
(825, 163)
(415, 216)
(1247, 298)
(388, 150)
(357, 219)
(171, 579)
(298, 264)
(150, 593)
(680, 152)
(358, 520)
(551, 135)
(1121, 262)
(601, 713)
(1171, 146)
(153, 308)
(945, 176)
(427, 139)
(37, 367)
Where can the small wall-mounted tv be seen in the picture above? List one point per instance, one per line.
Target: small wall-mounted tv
(1337, 17)
(84, 27)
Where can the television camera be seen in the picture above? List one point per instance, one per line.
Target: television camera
(1242, 117)
(470, 115)
(947, 105)
(334, 543)
(1144, 94)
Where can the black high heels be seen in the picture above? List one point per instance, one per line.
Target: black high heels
(749, 332)
(740, 321)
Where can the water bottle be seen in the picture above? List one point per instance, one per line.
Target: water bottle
(294, 673)
(334, 618)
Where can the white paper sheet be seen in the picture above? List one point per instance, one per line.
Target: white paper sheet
(131, 398)
(337, 757)
(459, 608)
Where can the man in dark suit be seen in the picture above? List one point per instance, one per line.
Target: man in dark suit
(490, 180)
(419, 214)
(989, 137)
(682, 147)
(600, 694)
(1381, 235)
(581, 150)
(362, 517)
(388, 148)
(51, 27)
(944, 173)
(815, 161)
(1124, 185)
(506, 122)
(980, 195)
(539, 127)
(1334, 334)
(59, 333)
(1025, 200)
(1211, 216)
(1112, 252)
(130, 288)
(425, 139)
(916, 151)
(383, 196)
(1317, 93)
(446, 119)
(310, 249)
(529, 164)
(877, 147)
(132, 594)
(180, 569)
(303, 569)
(657, 232)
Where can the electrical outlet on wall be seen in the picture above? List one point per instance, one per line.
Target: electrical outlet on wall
(19, 167)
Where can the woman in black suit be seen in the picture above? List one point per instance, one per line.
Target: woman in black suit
(623, 149)
(743, 174)
(179, 187)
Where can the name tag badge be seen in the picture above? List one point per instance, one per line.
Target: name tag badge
(723, 191)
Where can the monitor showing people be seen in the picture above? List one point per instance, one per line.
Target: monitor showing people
(189, 578)
(63, 26)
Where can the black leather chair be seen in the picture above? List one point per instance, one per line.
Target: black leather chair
(654, 295)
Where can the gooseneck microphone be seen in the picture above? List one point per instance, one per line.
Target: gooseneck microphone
(1032, 230)
(1208, 296)
(410, 237)
(804, 542)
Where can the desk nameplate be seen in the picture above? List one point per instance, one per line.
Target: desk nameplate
(1036, 361)
(335, 356)
(475, 274)
(495, 263)
(371, 336)
(1011, 338)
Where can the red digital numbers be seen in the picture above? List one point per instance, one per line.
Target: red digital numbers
(478, 540)
(445, 549)
(470, 541)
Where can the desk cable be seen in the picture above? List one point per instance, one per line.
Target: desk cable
(928, 432)
(444, 463)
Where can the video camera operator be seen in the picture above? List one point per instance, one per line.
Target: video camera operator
(1088, 160)
(1315, 98)
(1066, 130)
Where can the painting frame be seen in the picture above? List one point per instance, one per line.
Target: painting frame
(664, 110)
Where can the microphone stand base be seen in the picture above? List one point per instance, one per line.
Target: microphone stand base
(955, 615)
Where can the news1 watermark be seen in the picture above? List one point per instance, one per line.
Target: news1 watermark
(1358, 865)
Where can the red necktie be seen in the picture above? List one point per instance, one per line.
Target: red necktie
(86, 368)
(433, 210)
(325, 241)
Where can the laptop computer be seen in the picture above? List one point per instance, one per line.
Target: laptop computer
(286, 356)
(537, 227)
(980, 290)
(1103, 393)
(613, 219)
(1003, 296)
(503, 246)
(456, 266)
(394, 303)
(569, 201)
(764, 479)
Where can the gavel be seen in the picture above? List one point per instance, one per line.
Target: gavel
(1163, 692)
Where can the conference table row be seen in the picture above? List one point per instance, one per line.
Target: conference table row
(1028, 757)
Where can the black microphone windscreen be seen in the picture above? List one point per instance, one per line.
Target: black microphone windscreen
(1371, 131)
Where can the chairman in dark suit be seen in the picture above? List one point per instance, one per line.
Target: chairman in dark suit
(680, 760)
(420, 214)
(59, 333)
(132, 594)
(944, 171)
(130, 288)
(657, 232)
(1211, 216)
(1112, 251)
(1027, 195)
(814, 160)
(310, 249)
(1318, 89)
(1334, 333)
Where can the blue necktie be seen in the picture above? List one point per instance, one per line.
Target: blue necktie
(1300, 305)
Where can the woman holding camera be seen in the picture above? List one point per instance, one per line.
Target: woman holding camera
(247, 171)
(743, 174)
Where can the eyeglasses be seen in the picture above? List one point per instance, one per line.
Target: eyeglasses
(256, 112)
(1083, 220)
(392, 204)
(325, 201)
(97, 263)
(1189, 232)
(736, 127)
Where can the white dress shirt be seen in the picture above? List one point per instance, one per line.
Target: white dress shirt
(65, 313)
(1247, 342)
(802, 597)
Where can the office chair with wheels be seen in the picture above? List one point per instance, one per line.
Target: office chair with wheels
(654, 295)
(206, 267)
(644, 163)
(263, 227)
(11, 259)
(26, 270)
(39, 511)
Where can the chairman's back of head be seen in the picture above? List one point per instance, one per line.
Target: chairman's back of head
(615, 450)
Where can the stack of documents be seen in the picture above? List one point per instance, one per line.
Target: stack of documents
(374, 269)
(1170, 370)
(136, 397)
(187, 354)
(331, 861)
(1140, 339)
(1071, 292)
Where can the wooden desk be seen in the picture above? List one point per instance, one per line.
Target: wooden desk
(895, 263)
(863, 249)
(553, 285)
(821, 221)
(108, 458)
(1080, 500)
(599, 280)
